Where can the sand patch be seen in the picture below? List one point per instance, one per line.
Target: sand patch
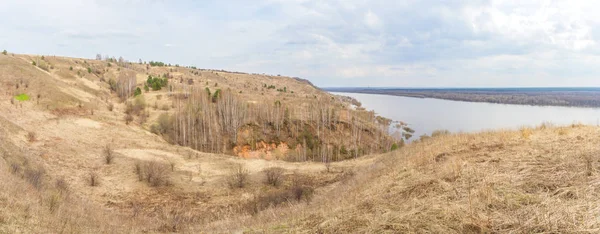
(88, 123)
(149, 154)
(81, 95)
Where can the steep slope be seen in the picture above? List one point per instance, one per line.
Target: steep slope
(541, 180)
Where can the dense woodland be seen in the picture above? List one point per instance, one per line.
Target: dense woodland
(541, 97)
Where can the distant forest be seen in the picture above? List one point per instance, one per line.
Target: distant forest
(577, 97)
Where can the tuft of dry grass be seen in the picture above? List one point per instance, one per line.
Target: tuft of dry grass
(526, 132)
(93, 179)
(128, 118)
(31, 136)
(109, 154)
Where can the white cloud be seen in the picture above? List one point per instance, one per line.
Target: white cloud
(332, 43)
(372, 20)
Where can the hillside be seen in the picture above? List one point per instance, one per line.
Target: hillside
(73, 162)
(541, 180)
(80, 153)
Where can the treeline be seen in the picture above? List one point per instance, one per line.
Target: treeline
(537, 98)
(317, 131)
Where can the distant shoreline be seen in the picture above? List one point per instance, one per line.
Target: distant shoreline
(555, 96)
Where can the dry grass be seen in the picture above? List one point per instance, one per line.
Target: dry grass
(31, 136)
(489, 182)
(540, 179)
(93, 179)
(109, 154)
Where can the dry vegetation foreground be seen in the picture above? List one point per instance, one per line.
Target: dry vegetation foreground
(542, 180)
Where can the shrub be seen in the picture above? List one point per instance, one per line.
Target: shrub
(156, 83)
(275, 198)
(440, 133)
(111, 106)
(70, 68)
(156, 174)
(138, 107)
(31, 136)
(109, 154)
(239, 177)
(128, 119)
(394, 147)
(33, 63)
(139, 170)
(89, 70)
(273, 176)
(4, 52)
(137, 92)
(93, 179)
(153, 172)
(111, 83)
(53, 202)
(163, 125)
(62, 186)
(34, 176)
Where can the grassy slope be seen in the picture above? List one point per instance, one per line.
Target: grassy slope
(534, 180)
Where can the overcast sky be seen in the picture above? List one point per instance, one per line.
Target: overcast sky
(332, 43)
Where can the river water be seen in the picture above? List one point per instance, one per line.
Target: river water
(425, 115)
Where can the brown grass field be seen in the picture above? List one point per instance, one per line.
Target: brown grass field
(530, 180)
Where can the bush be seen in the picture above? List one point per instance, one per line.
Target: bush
(62, 186)
(163, 125)
(273, 176)
(128, 119)
(110, 106)
(137, 92)
(70, 68)
(156, 83)
(138, 107)
(89, 70)
(93, 179)
(239, 177)
(4, 52)
(34, 176)
(275, 198)
(394, 147)
(153, 172)
(31, 136)
(109, 154)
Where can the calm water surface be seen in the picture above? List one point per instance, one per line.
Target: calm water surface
(425, 115)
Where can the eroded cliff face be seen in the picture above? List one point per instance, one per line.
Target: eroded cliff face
(263, 150)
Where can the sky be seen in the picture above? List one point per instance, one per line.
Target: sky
(334, 43)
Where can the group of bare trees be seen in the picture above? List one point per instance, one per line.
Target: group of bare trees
(317, 130)
(125, 85)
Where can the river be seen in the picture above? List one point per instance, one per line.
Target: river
(426, 115)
